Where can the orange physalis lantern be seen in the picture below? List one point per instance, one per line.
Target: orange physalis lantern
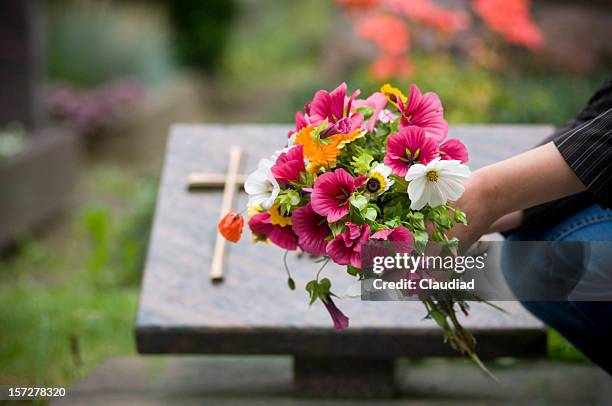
(231, 226)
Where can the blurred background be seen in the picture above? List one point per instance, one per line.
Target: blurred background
(90, 88)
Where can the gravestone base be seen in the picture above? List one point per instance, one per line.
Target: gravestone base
(267, 381)
(344, 377)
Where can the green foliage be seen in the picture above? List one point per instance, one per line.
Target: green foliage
(362, 162)
(337, 227)
(91, 42)
(117, 248)
(59, 322)
(52, 337)
(202, 29)
(354, 271)
(561, 349)
(359, 201)
(370, 213)
(306, 179)
(471, 94)
(319, 289)
(97, 223)
(287, 200)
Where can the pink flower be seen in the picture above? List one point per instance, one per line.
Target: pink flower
(301, 121)
(262, 228)
(453, 149)
(340, 320)
(311, 229)
(334, 107)
(386, 116)
(376, 102)
(401, 238)
(289, 165)
(331, 194)
(424, 111)
(409, 146)
(345, 248)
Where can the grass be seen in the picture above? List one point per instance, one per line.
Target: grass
(561, 349)
(68, 301)
(54, 336)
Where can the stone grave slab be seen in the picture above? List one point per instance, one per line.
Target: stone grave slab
(253, 312)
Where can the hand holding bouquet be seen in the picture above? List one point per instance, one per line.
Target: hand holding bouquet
(359, 170)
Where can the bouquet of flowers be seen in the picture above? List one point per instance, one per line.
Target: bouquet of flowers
(359, 170)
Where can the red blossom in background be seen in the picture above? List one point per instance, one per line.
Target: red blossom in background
(511, 20)
(385, 23)
(391, 37)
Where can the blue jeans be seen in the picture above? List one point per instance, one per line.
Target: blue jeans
(586, 324)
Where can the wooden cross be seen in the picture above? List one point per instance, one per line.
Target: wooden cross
(230, 182)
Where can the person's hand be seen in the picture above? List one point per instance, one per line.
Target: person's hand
(479, 203)
(495, 195)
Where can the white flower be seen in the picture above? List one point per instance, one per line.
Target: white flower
(435, 184)
(378, 179)
(261, 186)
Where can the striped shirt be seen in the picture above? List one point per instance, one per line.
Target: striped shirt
(585, 143)
(587, 149)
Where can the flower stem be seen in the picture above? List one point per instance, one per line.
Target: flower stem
(321, 268)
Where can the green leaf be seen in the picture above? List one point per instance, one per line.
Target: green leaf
(312, 288)
(354, 271)
(394, 222)
(394, 126)
(440, 215)
(420, 240)
(362, 162)
(359, 201)
(366, 111)
(370, 214)
(287, 200)
(324, 288)
(291, 283)
(337, 227)
(438, 317)
(453, 245)
(460, 217)
(416, 220)
(306, 179)
(316, 134)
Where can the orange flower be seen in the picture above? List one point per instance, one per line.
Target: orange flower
(231, 226)
(322, 152)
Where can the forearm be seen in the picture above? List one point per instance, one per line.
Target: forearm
(534, 177)
(507, 222)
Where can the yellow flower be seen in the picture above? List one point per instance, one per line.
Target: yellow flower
(277, 218)
(393, 94)
(252, 210)
(379, 181)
